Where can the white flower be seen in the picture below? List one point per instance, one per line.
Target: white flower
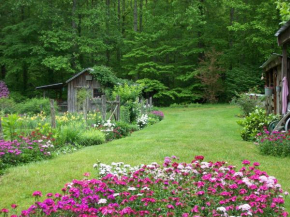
(131, 189)
(102, 201)
(244, 207)
(221, 209)
(116, 194)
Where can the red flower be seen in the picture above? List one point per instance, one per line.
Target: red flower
(199, 157)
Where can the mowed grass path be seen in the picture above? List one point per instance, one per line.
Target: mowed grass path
(185, 132)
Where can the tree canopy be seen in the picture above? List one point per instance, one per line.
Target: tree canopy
(158, 43)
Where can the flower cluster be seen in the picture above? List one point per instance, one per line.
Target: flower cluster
(23, 150)
(174, 189)
(276, 143)
(4, 92)
(142, 121)
(159, 114)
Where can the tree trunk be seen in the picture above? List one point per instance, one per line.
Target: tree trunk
(141, 16)
(135, 16)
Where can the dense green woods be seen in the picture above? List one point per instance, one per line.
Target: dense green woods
(181, 50)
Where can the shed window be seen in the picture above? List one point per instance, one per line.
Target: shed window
(97, 93)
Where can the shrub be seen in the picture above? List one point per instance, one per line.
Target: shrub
(4, 92)
(142, 121)
(69, 133)
(248, 102)
(91, 137)
(174, 189)
(276, 144)
(254, 123)
(158, 114)
(34, 106)
(123, 128)
(7, 105)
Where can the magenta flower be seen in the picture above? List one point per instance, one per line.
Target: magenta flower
(246, 162)
(37, 194)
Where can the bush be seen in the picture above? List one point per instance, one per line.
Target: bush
(34, 106)
(255, 122)
(175, 189)
(158, 114)
(276, 144)
(69, 133)
(248, 103)
(91, 137)
(4, 92)
(7, 105)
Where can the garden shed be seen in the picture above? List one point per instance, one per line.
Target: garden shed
(83, 80)
(273, 83)
(277, 75)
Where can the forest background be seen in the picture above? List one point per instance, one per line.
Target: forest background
(182, 51)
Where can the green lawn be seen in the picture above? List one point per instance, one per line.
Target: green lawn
(185, 132)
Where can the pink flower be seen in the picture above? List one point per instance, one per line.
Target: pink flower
(4, 210)
(13, 206)
(37, 194)
(87, 174)
(246, 162)
(256, 164)
(169, 206)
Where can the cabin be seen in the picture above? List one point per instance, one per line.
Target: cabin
(273, 83)
(82, 80)
(277, 75)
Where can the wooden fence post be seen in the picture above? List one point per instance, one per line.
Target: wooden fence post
(150, 103)
(1, 131)
(147, 106)
(85, 110)
(52, 113)
(104, 107)
(118, 109)
(142, 107)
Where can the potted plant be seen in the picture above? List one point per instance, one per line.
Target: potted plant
(268, 91)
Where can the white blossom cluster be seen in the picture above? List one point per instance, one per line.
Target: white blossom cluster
(109, 126)
(118, 169)
(142, 121)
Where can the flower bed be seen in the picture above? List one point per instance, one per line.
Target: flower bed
(174, 189)
(23, 150)
(275, 144)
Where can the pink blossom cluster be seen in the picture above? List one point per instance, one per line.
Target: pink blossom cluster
(175, 189)
(23, 150)
(275, 143)
(158, 113)
(4, 92)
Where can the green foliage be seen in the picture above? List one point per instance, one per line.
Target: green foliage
(91, 137)
(34, 106)
(105, 76)
(254, 123)
(129, 95)
(69, 133)
(44, 43)
(7, 105)
(10, 125)
(248, 102)
(277, 144)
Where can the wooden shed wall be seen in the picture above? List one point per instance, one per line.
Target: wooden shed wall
(76, 84)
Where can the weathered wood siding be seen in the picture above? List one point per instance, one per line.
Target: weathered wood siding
(76, 84)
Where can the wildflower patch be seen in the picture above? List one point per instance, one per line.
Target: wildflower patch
(198, 188)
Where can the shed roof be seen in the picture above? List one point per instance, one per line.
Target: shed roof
(270, 59)
(283, 28)
(51, 86)
(78, 74)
